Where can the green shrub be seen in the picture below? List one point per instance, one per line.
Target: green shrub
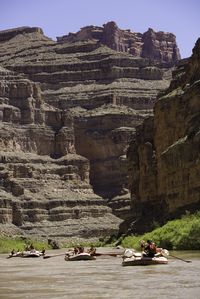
(179, 234)
(18, 243)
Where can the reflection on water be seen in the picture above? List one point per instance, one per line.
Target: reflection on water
(55, 278)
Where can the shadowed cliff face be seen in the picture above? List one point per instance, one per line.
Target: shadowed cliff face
(68, 110)
(164, 156)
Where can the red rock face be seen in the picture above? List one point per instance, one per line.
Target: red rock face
(158, 46)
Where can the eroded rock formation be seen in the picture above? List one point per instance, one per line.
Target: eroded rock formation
(158, 46)
(164, 162)
(68, 111)
(40, 194)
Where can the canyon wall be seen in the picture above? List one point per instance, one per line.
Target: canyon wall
(68, 111)
(157, 46)
(164, 164)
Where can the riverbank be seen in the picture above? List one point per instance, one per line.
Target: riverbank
(19, 243)
(8, 243)
(179, 234)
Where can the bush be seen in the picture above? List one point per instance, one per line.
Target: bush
(180, 234)
(18, 243)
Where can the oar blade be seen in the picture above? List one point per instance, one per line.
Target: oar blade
(60, 254)
(178, 258)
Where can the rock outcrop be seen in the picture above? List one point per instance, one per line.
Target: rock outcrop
(158, 46)
(68, 111)
(164, 162)
(45, 187)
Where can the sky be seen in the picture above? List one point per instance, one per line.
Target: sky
(59, 17)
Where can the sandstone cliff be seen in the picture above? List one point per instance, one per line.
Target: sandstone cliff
(68, 111)
(158, 46)
(164, 162)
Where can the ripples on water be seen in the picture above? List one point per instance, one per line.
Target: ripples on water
(55, 278)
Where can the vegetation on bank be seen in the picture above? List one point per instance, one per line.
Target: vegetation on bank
(7, 244)
(179, 234)
(98, 243)
(19, 243)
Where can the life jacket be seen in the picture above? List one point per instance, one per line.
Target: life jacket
(150, 249)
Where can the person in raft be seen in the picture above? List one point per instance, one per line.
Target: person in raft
(149, 248)
(92, 250)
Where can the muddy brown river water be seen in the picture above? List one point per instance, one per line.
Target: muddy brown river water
(55, 278)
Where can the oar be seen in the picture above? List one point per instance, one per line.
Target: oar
(178, 258)
(9, 257)
(49, 256)
(100, 254)
(107, 253)
(14, 255)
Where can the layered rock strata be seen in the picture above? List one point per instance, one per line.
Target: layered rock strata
(68, 111)
(158, 46)
(163, 158)
(40, 194)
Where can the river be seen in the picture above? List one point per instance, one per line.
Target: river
(54, 278)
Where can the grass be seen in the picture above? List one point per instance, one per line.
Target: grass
(179, 234)
(18, 243)
(100, 243)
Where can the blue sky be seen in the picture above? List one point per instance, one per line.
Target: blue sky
(57, 18)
